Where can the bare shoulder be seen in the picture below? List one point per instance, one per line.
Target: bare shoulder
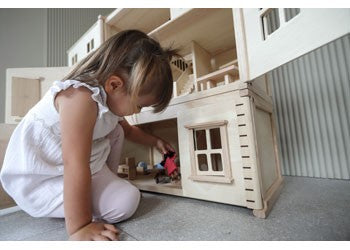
(75, 97)
(78, 114)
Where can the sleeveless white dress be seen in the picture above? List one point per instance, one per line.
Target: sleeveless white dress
(32, 172)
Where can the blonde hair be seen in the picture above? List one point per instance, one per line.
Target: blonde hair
(135, 57)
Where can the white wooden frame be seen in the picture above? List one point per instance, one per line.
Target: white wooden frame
(311, 28)
(223, 176)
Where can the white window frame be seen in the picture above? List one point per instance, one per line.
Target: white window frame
(223, 176)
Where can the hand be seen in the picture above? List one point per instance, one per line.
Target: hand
(163, 147)
(96, 231)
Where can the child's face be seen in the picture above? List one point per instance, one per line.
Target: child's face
(119, 102)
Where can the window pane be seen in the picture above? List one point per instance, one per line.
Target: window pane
(200, 140)
(202, 162)
(215, 138)
(290, 13)
(92, 44)
(216, 162)
(272, 21)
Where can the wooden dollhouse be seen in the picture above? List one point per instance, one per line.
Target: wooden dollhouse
(221, 119)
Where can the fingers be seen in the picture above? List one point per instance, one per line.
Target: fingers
(111, 228)
(110, 235)
(162, 150)
(111, 232)
(169, 147)
(100, 238)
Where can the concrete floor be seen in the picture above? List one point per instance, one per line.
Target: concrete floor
(308, 209)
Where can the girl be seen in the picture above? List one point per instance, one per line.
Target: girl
(58, 158)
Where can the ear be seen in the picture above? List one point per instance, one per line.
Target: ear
(113, 84)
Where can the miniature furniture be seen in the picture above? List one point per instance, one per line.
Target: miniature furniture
(221, 119)
(128, 169)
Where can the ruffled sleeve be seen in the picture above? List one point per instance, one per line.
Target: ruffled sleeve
(98, 94)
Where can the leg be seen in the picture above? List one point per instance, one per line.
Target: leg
(113, 199)
(116, 138)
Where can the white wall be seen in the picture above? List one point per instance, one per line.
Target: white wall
(22, 43)
(39, 38)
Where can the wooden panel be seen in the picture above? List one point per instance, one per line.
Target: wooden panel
(224, 59)
(266, 152)
(212, 29)
(196, 99)
(25, 94)
(201, 61)
(249, 157)
(219, 75)
(241, 44)
(143, 19)
(231, 192)
(311, 28)
(46, 75)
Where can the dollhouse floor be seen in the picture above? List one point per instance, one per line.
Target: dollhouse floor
(308, 209)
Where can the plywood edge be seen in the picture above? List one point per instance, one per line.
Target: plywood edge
(231, 70)
(158, 188)
(247, 140)
(211, 179)
(271, 197)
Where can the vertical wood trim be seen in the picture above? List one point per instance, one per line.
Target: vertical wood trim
(242, 56)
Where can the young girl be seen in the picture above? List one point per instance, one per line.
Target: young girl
(58, 158)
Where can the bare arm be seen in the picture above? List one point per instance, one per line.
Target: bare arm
(137, 135)
(78, 114)
(77, 117)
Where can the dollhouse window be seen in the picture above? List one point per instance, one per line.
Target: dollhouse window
(209, 150)
(74, 59)
(291, 13)
(90, 46)
(272, 19)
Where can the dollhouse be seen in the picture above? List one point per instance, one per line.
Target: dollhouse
(221, 118)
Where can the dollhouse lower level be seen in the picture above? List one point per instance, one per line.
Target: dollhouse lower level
(225, 141)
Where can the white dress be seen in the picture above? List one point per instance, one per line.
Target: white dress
(32, 171)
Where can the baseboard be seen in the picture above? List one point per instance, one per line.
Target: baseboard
(9, 210)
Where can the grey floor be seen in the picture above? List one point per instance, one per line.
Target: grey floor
(308, 209)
